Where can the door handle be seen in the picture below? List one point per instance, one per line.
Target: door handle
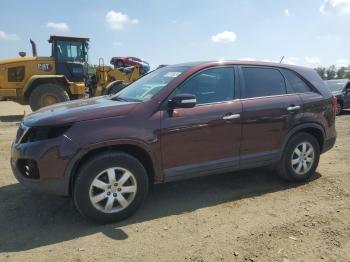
(293, 108)
(230, 117)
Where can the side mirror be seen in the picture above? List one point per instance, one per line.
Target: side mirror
(182, 101)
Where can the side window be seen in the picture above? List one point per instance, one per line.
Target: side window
(294, 83)
(61, 50)
(72, 51)
(210, 86)
(261, 81)
(69, 51)
(16, 74)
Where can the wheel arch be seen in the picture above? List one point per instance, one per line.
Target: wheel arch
(37, 80)
(137, 151)
(312, 128)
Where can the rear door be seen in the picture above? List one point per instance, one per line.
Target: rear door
(269, 112)
(204, 139)
(311, 98)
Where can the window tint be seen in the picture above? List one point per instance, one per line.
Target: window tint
(262, 82)
(294, 83)
(209, 86)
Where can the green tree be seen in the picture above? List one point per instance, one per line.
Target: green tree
(342, 72)
(348, 73)
(321, 71)
(331, 72)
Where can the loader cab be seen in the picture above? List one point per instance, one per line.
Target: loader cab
(71, 56)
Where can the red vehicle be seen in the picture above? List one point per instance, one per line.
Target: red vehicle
(176, 122)
(122, 62)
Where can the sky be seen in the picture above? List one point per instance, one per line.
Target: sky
(309, 33)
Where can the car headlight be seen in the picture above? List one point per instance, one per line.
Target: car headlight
(38, 133)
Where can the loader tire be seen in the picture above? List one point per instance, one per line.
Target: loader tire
(114, 88)
(47, 94)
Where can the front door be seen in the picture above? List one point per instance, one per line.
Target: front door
(70, 59)
(204, 139)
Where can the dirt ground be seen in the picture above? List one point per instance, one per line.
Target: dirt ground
(243, 216)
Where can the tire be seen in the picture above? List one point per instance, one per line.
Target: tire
(47, 94)
(115, 88)
(339, 108)
(287, 170)
(96, 168)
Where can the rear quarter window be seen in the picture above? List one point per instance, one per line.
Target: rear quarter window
(260, 82)
(294, 83)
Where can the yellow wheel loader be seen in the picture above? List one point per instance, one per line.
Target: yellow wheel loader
(41, 81)
(109, 80)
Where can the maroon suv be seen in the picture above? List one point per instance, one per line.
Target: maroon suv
(176, 122)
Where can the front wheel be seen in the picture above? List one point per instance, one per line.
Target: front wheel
(47, 94)
(110, 187)
(300, 158)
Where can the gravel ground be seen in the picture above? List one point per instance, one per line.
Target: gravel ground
(243, 216)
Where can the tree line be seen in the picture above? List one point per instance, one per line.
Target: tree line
(333, 72)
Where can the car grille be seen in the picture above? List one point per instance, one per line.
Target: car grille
(22, 130)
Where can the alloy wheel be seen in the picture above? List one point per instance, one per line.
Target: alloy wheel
(303, 158)
(113, 190)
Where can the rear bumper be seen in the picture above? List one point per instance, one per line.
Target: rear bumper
(51, 160)
(328, 144)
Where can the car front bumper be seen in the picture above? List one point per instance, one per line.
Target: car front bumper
(41, 165)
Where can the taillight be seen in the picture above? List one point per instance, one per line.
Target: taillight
(335, 101)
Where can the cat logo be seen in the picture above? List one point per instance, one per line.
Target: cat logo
(45, 67)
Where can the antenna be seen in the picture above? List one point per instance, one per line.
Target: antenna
(281, 60)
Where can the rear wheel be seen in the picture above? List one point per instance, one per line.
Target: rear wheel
(300, 158)
(110, 187)
(47, 94)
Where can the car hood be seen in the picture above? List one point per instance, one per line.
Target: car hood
(78, 110)
(336, 92)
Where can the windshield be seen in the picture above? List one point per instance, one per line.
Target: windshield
(336, 85)
(151, 84)
(71, 51)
